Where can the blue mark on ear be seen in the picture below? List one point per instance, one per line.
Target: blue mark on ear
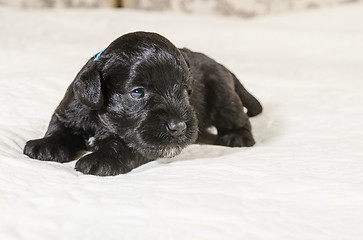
(98, 55)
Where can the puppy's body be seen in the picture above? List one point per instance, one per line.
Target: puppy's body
(142, 99)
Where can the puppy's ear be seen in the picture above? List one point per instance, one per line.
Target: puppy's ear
(87, 86)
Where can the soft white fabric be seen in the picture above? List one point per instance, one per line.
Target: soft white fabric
(302, 180)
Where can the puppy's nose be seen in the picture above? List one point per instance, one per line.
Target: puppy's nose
(177, 128)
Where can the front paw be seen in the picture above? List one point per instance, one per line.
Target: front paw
(96, 164)
(236, 138)
(47, 149)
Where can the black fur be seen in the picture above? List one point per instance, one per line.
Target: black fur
(143, 99)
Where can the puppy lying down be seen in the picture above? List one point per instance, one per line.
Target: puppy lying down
(141, 99)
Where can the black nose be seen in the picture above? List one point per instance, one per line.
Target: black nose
(176, 128)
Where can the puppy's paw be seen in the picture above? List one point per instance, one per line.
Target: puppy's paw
(96, 164)
(236, 138)
(47, 149)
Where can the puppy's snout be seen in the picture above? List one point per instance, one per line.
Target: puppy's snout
(176, 128)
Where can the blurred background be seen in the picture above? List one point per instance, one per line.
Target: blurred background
(240, 8)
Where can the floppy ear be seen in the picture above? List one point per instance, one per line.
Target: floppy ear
(87, 86)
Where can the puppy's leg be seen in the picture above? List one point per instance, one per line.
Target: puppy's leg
(237, 137)
(59, 144)
(221, 96)
(112, 157)
(232, 123)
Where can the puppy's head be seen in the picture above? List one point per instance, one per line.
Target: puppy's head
(140, 87)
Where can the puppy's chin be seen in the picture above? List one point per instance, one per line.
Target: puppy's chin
(160, 151)
(170, 152)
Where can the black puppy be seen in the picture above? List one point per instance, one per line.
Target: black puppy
(141, 99)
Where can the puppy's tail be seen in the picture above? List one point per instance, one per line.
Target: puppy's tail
(253, 106)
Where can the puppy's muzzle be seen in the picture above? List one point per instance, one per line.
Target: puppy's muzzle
(176, 128)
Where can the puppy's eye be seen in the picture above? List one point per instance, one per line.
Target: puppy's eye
(138, 93)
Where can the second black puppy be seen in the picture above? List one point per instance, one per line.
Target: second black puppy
(141, 99)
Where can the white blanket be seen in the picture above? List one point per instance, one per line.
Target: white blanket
(302, 180)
